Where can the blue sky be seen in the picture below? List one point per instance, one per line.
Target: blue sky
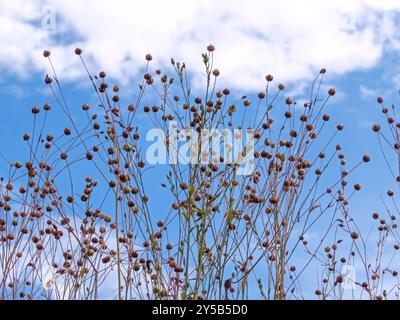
(358, 43)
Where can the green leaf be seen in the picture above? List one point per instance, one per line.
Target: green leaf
(199, 210)
(215, 197)
(230, 217)
(244, 282)
(191, 190)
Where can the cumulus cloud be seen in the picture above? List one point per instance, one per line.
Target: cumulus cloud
(290, 39)
(368, 93)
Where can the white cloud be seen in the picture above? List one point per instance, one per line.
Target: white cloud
(290, 39)
(368, 93)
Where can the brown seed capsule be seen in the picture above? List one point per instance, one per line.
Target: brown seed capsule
(379, 100)
(269, 78)
(183, 186)
(332, 92)
(309, 127)
(149, 57)
(246, 103)
(85, 107)
(116, 88)
(48, 79)
(273, 200)
(288, 114)
(366, 158)
(210, 48)
(354, 235)
(106, 259)
(281, 86)
(376, 127)
(289, 101)
(303, 118)
(46, 53)
(78, 51)
(160, 224)
(216, 73)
